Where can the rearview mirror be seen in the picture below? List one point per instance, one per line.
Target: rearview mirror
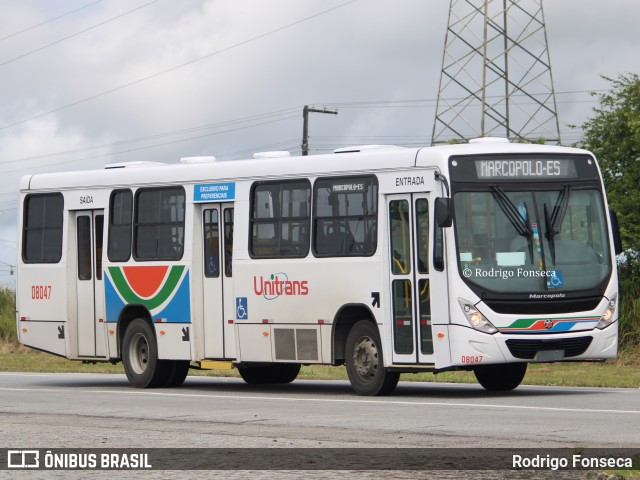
(444, 211)
(615, 229)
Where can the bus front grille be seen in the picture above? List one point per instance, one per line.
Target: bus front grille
(528, 349)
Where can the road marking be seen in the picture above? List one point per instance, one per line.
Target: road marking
(325, 400)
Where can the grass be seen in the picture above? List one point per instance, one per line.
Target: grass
(7, 316)
(623, 372)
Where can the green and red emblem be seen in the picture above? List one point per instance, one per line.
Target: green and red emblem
(162, 289)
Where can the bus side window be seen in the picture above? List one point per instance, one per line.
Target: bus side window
(422, 234)
(84, 247)
(438, 247)
(228, 241)
(159, 224)
(399, 236)
(120, 217)
(42, 228)
(345, 216)
(280, 219)
(211, 243)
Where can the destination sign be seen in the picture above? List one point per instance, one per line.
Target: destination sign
(348, 187)
(525, 169)
(520, 168)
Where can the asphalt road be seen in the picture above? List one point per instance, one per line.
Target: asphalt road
(222, 412)
(102, 411)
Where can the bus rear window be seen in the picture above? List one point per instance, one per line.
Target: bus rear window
(42, 228)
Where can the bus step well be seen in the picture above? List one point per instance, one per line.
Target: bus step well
(215, 365)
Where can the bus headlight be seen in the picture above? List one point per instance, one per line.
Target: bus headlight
(609, 314)
(475, 318)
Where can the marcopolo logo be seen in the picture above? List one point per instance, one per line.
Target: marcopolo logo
(277, 285)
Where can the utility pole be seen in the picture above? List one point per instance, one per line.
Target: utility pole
(305, 125)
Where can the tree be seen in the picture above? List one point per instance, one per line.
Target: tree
(613, 135)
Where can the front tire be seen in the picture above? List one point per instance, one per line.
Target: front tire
(140, 356)
(500, 377)
(364, 361)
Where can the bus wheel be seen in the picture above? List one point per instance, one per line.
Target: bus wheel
(140, 356)
(176, 372)
(269, 374)
(365, 365)
(500, 377)
(288, 372)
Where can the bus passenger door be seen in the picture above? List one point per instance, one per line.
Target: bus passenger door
(410, 287)
(217, 228)
(90, 332)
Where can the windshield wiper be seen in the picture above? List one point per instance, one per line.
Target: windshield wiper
(553, 223)
(521, 225)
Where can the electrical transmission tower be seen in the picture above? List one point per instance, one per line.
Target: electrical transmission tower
(496, 74)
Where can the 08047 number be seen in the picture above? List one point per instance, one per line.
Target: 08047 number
(471, 358)
(40, 292)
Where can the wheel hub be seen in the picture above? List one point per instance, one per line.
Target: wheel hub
(365, 357)
(139, 353)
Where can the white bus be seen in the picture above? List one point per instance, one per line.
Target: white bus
(484, 257)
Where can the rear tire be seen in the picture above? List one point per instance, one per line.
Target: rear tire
(364, 361)
(500, 377)
(269, 374)
(176, 372)
(140, 356)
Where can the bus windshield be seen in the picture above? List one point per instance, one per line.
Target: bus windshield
(512, 241)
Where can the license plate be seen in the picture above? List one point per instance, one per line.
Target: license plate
(549, 356)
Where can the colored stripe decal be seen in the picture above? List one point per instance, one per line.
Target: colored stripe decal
(145, 281)
(131, 297)
(540, 324)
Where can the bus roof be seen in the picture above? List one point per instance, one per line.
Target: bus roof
(347, 161)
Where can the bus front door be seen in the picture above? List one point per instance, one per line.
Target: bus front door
(90, 310)
(219, 311)
(410, 276)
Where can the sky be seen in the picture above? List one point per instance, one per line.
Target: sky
(86, 83)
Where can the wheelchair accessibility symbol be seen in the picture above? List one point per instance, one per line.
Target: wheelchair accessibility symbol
(242, 312)
(555, 279)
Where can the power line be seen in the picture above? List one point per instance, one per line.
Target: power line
(406, 140)
(363, 104)
(47, 21)
(76, 34)
(176, 67)
(394, 103)
(150, 146)
(290, 144)
(261, 116)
